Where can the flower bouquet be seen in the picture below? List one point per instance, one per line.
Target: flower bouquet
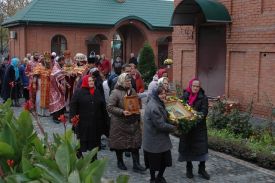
(168, 62)
(181, 114)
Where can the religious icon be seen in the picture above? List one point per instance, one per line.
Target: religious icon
(177, 110)
(131, 104)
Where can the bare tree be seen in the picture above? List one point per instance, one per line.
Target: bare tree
(8, 8)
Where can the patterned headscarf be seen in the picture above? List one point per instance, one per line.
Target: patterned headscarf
(14, 63)
(161, 80)
(122, 78)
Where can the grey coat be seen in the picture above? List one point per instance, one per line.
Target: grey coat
(156, 129)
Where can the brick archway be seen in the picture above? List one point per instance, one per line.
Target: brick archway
(133, 33)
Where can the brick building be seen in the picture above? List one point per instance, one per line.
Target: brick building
(112, 27)
(229, 45)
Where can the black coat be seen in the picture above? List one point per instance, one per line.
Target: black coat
(7, 90)
(92, 113)
(195, 142)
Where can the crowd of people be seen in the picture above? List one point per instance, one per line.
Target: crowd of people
(92, 90)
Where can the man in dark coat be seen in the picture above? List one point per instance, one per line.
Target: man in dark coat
(11, 83)
(3, 68)
(133, 59)
(193, 146)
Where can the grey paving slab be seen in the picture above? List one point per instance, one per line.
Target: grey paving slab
(222, 168)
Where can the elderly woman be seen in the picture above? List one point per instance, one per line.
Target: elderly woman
(193, 146)
(11, 83)
(164, 82)
(156, 141)
(125, 130)
(154, 83)
(90, 106)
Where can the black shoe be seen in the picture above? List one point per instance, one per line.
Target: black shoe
(136, 164)
(139, 169)
(128, 154)
(152, 181)
(189, 173)
(160, 180)
(121, 165)
(189, 170)
(203, 173)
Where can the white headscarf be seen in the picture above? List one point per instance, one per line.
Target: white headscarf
(122, 78)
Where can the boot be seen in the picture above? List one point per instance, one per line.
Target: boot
(202, 171)
(136, 164)
(189, 170)
(120, 163)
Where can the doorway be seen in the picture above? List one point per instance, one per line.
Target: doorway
(212, 59)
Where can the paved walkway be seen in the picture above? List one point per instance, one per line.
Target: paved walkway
(221, 167)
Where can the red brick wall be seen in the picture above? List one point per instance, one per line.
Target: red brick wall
(38, 38)
(250, 59)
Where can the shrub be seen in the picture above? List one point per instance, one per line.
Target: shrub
(256, 151)
(24, 157)
(217, 117)
(239, 123)
(146, 64)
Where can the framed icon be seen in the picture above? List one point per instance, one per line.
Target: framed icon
(131, 104)
(177, 109)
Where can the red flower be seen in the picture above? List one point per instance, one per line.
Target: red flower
(75, 120)
(10, 162)
(62, 119)
(28, 105)
(11, 84)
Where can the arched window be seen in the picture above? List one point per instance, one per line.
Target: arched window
(59, 44)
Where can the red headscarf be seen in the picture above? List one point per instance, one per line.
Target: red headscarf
(85, 84)
(192, 96)
(160, 72)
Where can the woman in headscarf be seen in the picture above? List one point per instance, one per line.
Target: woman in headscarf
(11, 83)
(156, 141)
(159, 74)
(125, 130)
(164, 82)
(193, 146)
(89, 105)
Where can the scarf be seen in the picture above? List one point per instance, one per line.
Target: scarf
(193, 96)
(14, 63)
(85, 84)
(160, 72)
(122, 78)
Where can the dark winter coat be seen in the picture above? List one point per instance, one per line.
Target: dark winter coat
(125, 131)
(195, 142)
(92, 114)
(23, 77)
(7, 90)
(156, 129)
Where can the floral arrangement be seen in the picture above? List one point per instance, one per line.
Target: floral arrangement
(184, 122)
(168, 61)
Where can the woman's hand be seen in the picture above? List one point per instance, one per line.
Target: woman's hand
(127, 113)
